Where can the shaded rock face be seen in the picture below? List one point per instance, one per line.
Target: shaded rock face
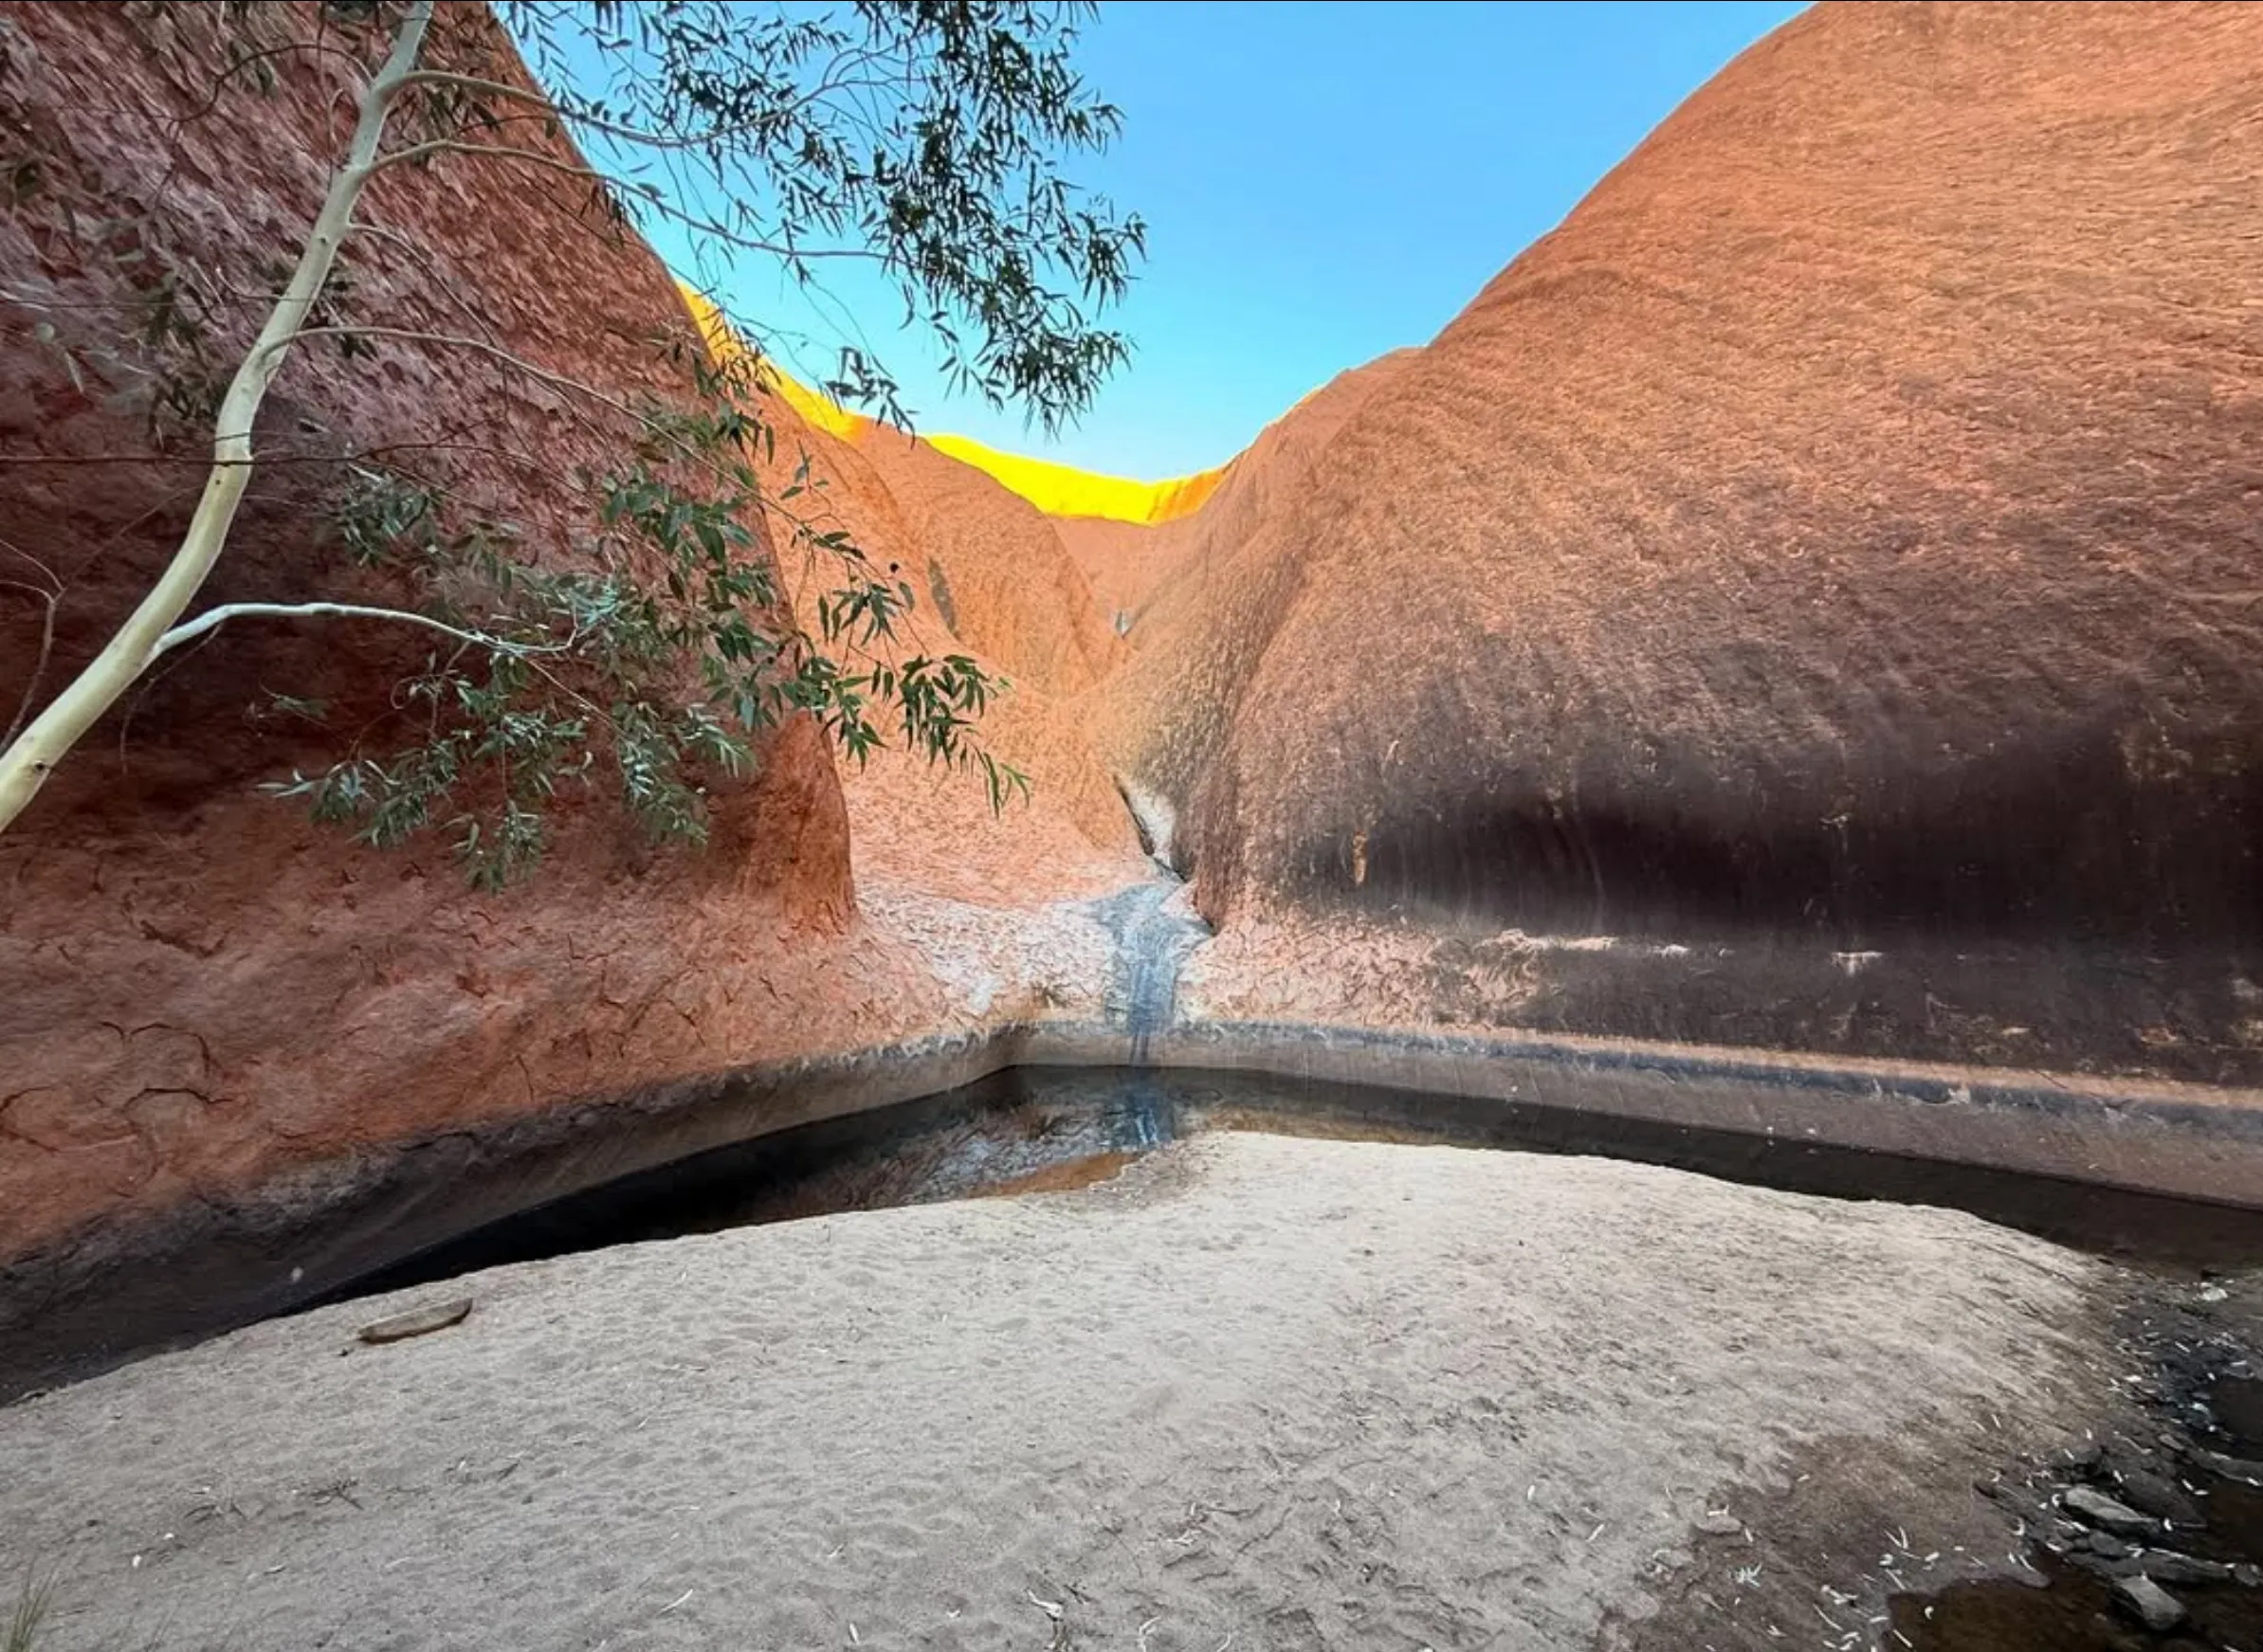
(1842, 531)
(990, 578)
(199, 989)
(1204, 593)
(994, 568)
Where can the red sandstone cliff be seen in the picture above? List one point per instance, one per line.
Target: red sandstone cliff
(995, 568)
(200, 991)
(1132, 564)
(992, 579)
(1200, 600)
(1845, 526)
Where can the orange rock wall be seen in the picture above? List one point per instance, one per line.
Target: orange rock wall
(199, 989)
(1847, 512)
(1131, 565)
(1840, 534)
(990, 578)
(995, 568)
(201, 993)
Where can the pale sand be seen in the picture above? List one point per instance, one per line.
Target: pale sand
(1298, 1394)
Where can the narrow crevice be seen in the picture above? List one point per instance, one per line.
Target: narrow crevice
(1157, 824)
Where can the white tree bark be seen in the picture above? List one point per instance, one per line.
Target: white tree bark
(32, 755)
(212, 619)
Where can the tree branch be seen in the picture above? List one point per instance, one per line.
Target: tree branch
(456, 340)
(289, 48)
(640, 135)
(434, 276)
(591, 174)
(28, 760)
(474, 84)
(212, 619)
(352, 456)
(499, 151)
(540, 374)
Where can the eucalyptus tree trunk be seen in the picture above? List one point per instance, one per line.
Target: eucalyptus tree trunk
(32, 755)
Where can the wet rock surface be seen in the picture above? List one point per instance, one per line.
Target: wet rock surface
(2041, 1553)
(2106, 1515)
(2188, 1571)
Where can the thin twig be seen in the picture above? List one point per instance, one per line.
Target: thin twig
(706, 226)
(706, 138)
(39, 667)
(408, 335)
(423, 254)
(352, 456)
(313, 48)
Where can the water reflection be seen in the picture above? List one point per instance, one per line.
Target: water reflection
(1036, 1129)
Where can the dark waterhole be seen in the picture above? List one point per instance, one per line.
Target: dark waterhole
(1033, 1128)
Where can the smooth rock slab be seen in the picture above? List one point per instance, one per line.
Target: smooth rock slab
(2150, 1604)
(417, 1321)
(2239, 1468)
(2106, 1512)
(2167, 1566)
(2153, 1494)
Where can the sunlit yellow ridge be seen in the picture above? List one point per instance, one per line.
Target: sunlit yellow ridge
(1058, 490)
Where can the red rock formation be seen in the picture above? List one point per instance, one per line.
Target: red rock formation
(1199, 599)
(1844, 526)
(992, 579)
(1835, 539)
(995, 568)
(199, 989)
(1132, 564)
(1120, 561)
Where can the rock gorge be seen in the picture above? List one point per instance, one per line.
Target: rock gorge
(1804, 606)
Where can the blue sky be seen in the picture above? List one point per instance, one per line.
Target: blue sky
(1322, 183)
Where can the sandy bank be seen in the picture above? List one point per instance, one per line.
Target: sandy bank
(1298, 1394)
